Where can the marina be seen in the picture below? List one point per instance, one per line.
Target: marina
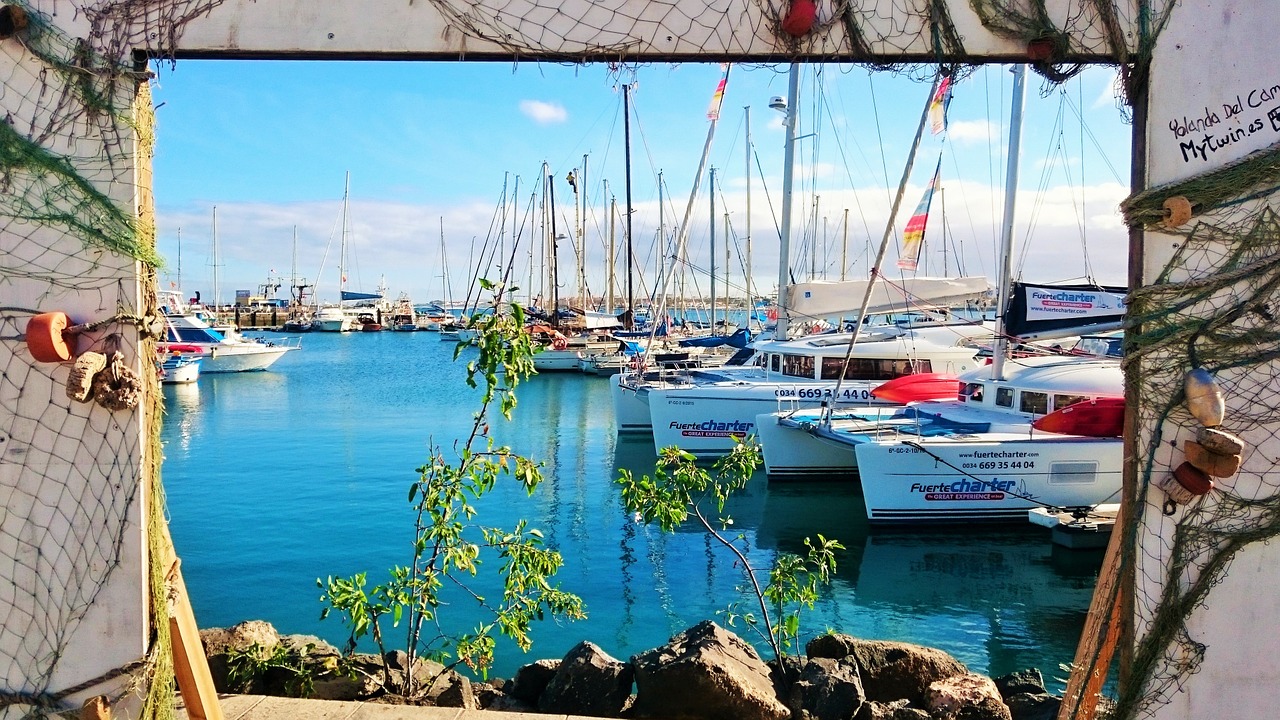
(324, 444)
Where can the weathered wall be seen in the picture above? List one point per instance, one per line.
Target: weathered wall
(1214, 99)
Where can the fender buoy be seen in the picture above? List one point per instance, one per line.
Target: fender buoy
(1177, 211)
(45, 337)
(799, 19)
(559, 344)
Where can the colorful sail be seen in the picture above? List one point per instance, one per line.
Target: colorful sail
(913, 236)
(713, 112)
(938, 107)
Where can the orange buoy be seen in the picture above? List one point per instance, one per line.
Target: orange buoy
(559, 344)
(1186, 483)
(45, 337)
(1177, 211)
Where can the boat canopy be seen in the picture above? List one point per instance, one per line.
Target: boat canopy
(739, 339)
(821, 299)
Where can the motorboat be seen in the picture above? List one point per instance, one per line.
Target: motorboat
(331, 318)
(177, 368)
(186, 331)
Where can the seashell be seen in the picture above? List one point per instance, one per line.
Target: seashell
(1204, 399)
(1220, 441)
(1212, 463)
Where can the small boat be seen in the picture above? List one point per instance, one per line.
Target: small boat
(186, 332)
(367, 322)
(177, 368)
(331, 318)
(921, 386)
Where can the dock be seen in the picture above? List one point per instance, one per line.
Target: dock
(1070, 530)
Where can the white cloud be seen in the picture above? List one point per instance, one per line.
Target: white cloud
(543, 113)
(972, 131)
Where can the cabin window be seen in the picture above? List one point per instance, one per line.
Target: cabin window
(1004, 397)
(775, 363)
(798, 366)
(1034, 402)
(1073, 473)
(1061, 401)
(871, 369)
(972, 392)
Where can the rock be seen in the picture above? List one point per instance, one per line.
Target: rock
(1033, 706)
(502, 702)
(218, 642)
(310, 646)
(830, 689)
(889, 670)
(705, 673)
(530, 680)
(454, 691)
(1020, 681)
(966, 697)
(896, 710)
(588, 682)
(831, 645)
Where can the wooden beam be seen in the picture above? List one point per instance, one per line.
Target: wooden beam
(190, 665)
(1098, 641)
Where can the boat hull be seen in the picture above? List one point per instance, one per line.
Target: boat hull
(990, 479)
(709, 420)
(228, 359)
(630, 408)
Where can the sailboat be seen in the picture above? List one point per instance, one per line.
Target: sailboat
(987, 454)
(343, 317)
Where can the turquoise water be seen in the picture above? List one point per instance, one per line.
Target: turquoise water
(278, 478)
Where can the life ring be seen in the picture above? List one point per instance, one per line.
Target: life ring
(45, 338)
(559, 343)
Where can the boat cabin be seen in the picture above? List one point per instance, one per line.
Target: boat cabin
(1039, 386)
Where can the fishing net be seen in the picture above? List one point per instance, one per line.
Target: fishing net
(1213, 307)
(77, 487)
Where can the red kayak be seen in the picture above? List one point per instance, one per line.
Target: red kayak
(921, 386)
(1103, 417)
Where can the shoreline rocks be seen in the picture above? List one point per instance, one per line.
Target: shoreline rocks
(703, 673)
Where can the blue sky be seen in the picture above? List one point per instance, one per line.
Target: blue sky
(431, 144)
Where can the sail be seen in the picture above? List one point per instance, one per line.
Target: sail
(1047, 310)
(351, 295)
(821, 299)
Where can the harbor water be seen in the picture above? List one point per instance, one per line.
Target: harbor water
(275, 479)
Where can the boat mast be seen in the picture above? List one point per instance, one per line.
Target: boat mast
(346, 226)
(626, 133)
(711, 193)
(215, 257)
(612, 264)
(552, 258)
(750, 295)
(582, 236)
(293, 271)
(788, 174)
(1006, 226)
(179, 280)
(844, 247)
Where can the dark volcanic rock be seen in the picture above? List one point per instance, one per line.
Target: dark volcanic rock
(705, 673)
(1028, 681)
(889, 670)
(530, 680)
(830, 689)
(588, 682)
(896, 710)
(1033, 706)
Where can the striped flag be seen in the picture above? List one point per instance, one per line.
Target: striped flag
(713, 112)
(938, 106)
(913, 236)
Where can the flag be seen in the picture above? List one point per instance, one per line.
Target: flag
(913, 236)
(938, 106)
(713, 112)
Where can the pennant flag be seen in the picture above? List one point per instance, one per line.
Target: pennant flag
(913, 236)
(713, 112)
(938, 106)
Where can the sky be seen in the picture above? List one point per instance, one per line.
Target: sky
(445, 161)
